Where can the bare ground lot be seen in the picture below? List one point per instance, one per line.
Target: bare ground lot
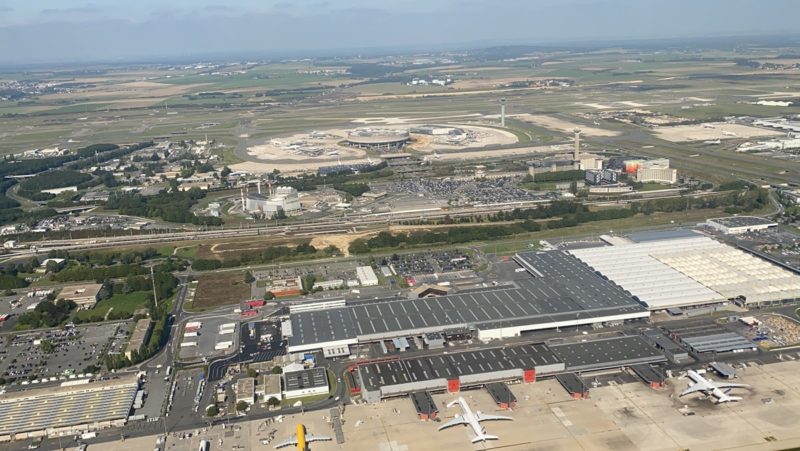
(220, 288)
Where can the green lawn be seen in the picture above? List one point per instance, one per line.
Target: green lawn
(120, 302)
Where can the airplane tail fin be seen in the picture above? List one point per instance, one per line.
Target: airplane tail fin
(484, 437)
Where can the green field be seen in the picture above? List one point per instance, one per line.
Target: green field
(127, 303)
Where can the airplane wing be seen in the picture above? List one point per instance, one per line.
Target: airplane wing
(316, 438)
(483, 417)
(454, 422)
(291, 441)
(694, 388)
(724, 385)
(484, 437)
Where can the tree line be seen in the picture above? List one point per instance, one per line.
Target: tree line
(268, 255)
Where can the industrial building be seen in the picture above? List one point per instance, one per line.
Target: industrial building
(452, 372)
(673, 351)
(501, 395)
(83, 295)
(657, 175)
(563, 292)
(141, 332)
(601, 176)
(366, 276)
(573, 384)
(651, 376)
(709, 337)
(246, 390)
(606, 353)
(424, 405)
(270, 387)
(378, 138)
(309, 382)
(66, 409)
(736, 225)
(282, 198)
(691, 271)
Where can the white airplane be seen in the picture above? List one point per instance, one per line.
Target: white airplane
(701, 384)
(727, 133)
(473, 420)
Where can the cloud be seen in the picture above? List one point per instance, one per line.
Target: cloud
(220, 9)
(79, 10)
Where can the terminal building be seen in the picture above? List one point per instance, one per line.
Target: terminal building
(562, 292)
(378, 138)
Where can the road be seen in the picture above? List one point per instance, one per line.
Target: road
(309, 228)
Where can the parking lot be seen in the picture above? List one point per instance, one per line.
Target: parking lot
(427, 263)
(261, 341)
(57, 353)
(466, 191)
(207, 338)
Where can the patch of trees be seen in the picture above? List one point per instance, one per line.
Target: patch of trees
(46, 314)
(353, 189)
(54, 179)
(268, 255)
(11, 282)
(98, 273)
(311, 182)
(171, 206)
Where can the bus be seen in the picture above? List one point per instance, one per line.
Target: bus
(169, 371)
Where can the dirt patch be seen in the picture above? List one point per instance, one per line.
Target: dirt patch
(232, 250)
(220, 288)
(340, 241)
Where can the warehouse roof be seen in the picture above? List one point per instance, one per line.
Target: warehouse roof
(563, 288)
(42, 408)
(637, 269)
(451, 366)
(648, 373)
(607, 353)
(706, 336)
(500, 393)
(743, 221)
(572, 383)
(423, 403)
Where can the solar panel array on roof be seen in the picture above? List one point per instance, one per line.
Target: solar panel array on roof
(53, 407)
(310, 378)
(564, 289)
(607, 353)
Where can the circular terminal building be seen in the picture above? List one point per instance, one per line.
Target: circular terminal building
(378, 138)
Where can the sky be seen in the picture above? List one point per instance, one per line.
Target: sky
(64, 31)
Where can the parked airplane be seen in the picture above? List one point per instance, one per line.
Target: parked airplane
(701, 384)
(300, 439)
(473, 420)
